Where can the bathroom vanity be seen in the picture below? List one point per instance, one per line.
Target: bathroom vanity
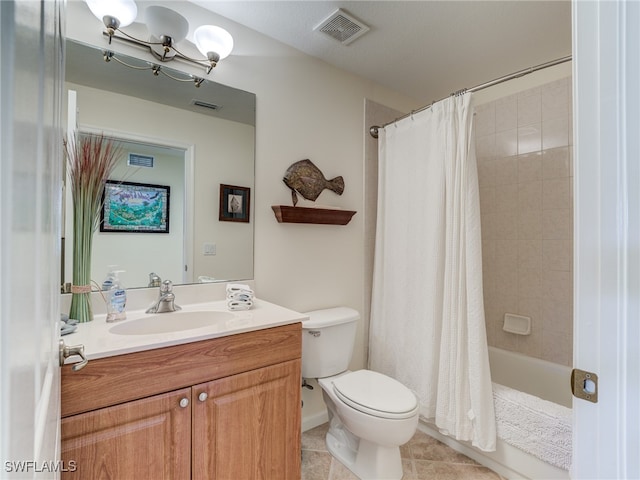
(222, 403)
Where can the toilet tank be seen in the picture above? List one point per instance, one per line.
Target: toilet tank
(328, 337)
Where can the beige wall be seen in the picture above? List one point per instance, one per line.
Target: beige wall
(524, 149)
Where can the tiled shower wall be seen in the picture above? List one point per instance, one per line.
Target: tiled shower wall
(525, 166)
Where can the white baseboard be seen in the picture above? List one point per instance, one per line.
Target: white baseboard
(312, 421)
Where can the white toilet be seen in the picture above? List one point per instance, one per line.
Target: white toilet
(370, 414)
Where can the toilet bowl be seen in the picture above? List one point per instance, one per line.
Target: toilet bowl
(366, 428)
(370, 414)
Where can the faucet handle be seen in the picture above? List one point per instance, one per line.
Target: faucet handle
(166, 287)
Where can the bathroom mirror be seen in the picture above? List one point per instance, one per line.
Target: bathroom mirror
(189, 139)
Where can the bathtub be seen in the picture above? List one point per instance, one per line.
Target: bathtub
(540, 378)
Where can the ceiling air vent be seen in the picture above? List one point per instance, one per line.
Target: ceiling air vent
(138, 160)
(210, 106)
(343, 27)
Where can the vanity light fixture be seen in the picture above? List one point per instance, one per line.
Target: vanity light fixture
(166, 28)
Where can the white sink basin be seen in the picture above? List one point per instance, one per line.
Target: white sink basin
(171, 322)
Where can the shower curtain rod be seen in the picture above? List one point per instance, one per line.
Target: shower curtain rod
(374, 129)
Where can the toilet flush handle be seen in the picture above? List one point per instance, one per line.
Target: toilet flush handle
(315, 333)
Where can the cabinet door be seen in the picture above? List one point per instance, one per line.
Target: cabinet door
(147, 438)
(248, 427)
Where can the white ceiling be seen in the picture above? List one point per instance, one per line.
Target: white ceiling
(423, 49)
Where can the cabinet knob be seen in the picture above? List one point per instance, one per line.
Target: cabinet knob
(184, 402)
(203, 396)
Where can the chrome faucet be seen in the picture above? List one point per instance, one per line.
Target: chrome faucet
(165, 302)
(154, 280)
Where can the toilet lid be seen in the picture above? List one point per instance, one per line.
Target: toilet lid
(376, 394)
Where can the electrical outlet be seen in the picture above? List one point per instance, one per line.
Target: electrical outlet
(209, 249)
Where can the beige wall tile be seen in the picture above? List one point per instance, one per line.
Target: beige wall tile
(529, 108)
(505, 170)
(486, 169)
(506, 113)
(529, 253)
(506, 143)
(557, 255)
(555, 133)
(485, 119)
(529, 138)
(530, 167)
(485, 146)
(506, 198)
(557, 285)
(557, 223)
(530, 224)
(555, 163)
(526, 207)
(529, 196)
(556, 193)
(487, 199)
(506, 225)
(529, 282)
(555, 100)
(557, 316)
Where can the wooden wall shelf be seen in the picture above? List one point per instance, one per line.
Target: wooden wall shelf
(286, 214)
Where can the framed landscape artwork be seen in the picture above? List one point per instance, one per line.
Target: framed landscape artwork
(135, 207)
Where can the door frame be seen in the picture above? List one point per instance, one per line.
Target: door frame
(607, 236)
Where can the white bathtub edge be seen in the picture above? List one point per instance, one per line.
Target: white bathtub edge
(499, 460)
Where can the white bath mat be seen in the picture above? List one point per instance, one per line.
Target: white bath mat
(536, 426)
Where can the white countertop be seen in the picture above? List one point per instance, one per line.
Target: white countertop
(99, 342)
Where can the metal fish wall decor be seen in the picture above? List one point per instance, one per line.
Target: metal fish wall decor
(306, 179)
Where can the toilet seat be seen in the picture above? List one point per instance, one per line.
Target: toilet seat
(375, 394)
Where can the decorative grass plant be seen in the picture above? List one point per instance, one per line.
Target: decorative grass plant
(91, 160)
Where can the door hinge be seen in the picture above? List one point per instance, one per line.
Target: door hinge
(584, 385)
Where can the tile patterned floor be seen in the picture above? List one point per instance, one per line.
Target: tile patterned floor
(423, 457)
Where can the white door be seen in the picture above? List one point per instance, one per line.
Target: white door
(606, 48)
(31, 49)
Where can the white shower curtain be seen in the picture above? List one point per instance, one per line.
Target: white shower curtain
(427, 315)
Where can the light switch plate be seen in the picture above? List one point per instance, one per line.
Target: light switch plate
(209, 249)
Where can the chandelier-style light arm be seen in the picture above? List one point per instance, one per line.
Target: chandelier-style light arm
(145, 44)
(156, 69)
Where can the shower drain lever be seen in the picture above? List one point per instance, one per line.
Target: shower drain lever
(306, 385)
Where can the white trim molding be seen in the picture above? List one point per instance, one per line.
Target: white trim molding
(606, 54)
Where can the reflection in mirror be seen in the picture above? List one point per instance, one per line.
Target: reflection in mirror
(195, 149)
(133, 249)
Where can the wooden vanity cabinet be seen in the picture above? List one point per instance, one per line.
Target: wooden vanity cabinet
(240, 421)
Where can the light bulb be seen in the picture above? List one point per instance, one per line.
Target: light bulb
(209, 38)
(124, 10)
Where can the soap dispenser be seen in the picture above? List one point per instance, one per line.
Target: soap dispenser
(107, 283)
(116, 299)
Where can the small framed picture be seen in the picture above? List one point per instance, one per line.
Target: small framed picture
(135, 207)
(234, 203)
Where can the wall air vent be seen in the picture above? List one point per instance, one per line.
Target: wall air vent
(210, 106)
(138, 160)
(342, 27)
